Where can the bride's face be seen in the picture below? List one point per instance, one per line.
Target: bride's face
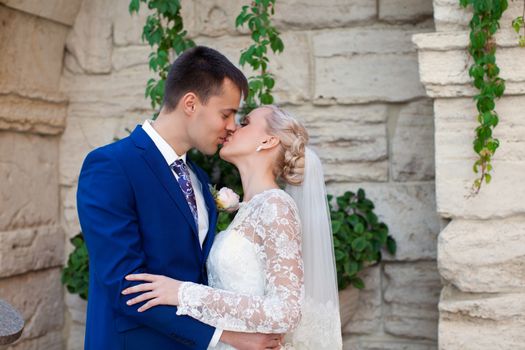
(250, 134)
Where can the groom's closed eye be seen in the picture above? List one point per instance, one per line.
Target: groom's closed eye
(226, 113)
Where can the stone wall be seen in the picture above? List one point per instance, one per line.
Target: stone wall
(482, 250)
(350, 71)
(32, 118)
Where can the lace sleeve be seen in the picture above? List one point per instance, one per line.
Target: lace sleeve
(277, 235)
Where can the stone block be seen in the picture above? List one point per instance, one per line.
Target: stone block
(291, 68)
(49, 341)
(32, 51)
(30, 249)
(386, 343)
(211, 18)
(75, 337)
(412, 142)
(68, 195)
(484, 256)
(217, 18)
(366, 318)
(76, 308)
(80, 137)
(450, 16)
(62, 11)
(481, 321)
(410, 213)
(29, 190)
(350, 140)
(367, 78)
(411, 294)
(375, 63)
(128, 57)
(405, 10)
(119, 94)
(366, 40)
(33, 115)
(38, 297)
(444, 63)
(308, 14)
(90, 39)
(76, 316)
(127, 28)
(455, 125)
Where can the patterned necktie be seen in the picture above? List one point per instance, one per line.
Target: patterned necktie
(184, 180)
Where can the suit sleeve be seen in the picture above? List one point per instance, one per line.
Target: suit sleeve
(108, 217)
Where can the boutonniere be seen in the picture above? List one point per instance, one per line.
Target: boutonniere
(225, 199)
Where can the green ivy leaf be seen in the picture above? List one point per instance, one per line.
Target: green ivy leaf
(359, 244)
(134, 6)
(358, 283)
(391, 245)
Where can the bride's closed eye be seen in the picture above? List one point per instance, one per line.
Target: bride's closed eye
(244, 121)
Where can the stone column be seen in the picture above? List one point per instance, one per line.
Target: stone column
(481, 253)
(32, 118)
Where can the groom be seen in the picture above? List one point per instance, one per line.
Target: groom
(145, 207)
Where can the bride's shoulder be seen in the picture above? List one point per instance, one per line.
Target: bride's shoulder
(277, 198)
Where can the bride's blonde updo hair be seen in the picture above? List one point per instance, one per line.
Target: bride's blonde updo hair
(293, 139)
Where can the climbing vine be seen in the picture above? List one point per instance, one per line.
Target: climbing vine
(485, 74)
(518, 24)
(258, 18)
(164, 32)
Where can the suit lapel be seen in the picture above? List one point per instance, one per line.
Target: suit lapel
(162, 171)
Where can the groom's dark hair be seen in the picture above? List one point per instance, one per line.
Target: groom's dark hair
(200, 70)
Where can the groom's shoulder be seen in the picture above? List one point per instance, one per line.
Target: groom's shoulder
(121, 150)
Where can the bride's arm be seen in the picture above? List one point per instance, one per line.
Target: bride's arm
(279, 309)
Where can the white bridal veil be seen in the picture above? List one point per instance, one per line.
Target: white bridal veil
(320, 326)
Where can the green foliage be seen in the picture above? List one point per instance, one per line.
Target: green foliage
(257, 16)
(164, 32)
(358, 236)
(518, 24)
(485, 74)
(75, 275)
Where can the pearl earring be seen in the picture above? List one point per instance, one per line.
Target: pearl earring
(258, 149)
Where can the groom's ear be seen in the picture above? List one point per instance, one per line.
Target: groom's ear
(189, 103)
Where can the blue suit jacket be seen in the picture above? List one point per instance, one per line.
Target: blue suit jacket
(135, 219)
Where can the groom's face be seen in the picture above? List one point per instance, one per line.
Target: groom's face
(215, 120)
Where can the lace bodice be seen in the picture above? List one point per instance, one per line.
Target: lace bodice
(255, 270)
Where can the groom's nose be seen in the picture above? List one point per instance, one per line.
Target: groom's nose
(230, 124)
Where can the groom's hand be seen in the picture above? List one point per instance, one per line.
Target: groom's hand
(252, 341)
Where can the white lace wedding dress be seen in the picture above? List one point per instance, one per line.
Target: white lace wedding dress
(255, 276)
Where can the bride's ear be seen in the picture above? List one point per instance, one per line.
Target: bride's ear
(271, 142)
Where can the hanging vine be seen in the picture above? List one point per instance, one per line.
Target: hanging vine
(518, 24)
(485, 74)
(164, 31)
(258, 18)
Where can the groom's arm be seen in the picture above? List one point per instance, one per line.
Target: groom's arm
(108, 218)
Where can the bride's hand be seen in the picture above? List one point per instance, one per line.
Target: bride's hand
(160, 290)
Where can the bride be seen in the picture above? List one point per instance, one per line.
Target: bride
(273, 269)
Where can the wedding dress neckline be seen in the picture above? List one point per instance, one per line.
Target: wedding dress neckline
(258, 194)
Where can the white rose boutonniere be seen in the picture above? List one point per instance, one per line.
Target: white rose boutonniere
(225, 199)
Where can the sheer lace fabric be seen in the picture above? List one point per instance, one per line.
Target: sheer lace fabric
(255, 271)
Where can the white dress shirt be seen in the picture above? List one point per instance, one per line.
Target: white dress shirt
(171, 156)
